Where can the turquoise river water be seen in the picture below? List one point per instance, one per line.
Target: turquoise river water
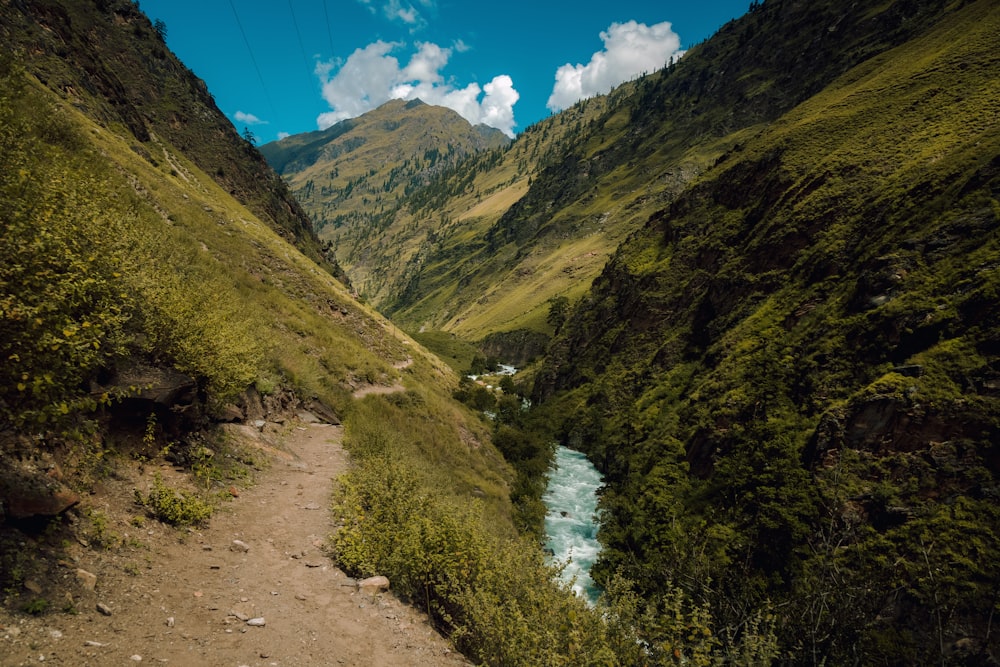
(571, 521)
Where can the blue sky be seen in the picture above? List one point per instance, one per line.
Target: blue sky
(289, 66)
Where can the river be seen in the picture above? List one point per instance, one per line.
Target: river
(571, 521)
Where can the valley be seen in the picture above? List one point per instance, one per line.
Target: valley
(755, 289)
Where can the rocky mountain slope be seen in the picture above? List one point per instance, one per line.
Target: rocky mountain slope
(348, 175)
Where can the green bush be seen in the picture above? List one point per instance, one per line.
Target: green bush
(495, 597)
(61, 312)
(171, 506)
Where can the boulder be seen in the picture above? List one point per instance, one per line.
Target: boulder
(229, 413)
(323, 411)
(373, 585)
(27, 491)
(158, 385)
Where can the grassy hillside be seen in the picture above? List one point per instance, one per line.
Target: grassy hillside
(789, 373)
(110, 259)
(506, 234)
(350, 174)
(107, 60)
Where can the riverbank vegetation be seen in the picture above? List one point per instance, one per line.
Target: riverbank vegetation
(487, 587)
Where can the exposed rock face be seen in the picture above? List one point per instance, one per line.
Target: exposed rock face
(885, 424)
(158, 385)
(516, 347)
(27, 490)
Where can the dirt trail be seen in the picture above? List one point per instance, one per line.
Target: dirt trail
(190, 603)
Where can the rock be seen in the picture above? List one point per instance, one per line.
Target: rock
(307, 417)
(136, 658)
(104, 609)
(240, 546)
(251, 405)
(230, 413)
(159, 385)
(324, 412)
(170, 621)
(33, 586)
(27, 490)
(87, 579)
(373, 585)
(258, 622)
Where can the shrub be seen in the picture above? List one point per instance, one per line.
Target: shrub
(60, 308)
(495, 597)
(171, 506)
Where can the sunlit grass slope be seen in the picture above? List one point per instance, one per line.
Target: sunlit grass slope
(485, 247)
(113, 258)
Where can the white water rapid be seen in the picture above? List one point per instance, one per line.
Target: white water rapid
(571, 521)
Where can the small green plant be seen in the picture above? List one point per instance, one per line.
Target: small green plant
(101, 534)
(205, 467)
(171, 506)
(36, 607)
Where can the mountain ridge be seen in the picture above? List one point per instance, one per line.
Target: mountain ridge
(348, 174)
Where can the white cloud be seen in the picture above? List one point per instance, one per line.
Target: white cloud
(398, 10)
(372, 76)
(283, 135)
(630, 49)
(248, 118)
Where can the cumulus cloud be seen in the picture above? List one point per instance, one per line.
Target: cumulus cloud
(630, 49)
(283, 135)
(248, 119)
(372, 76)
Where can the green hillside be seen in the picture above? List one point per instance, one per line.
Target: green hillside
(789, 373)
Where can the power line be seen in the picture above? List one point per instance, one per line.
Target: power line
(329, 32)
(302, 49)
(252, 59)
